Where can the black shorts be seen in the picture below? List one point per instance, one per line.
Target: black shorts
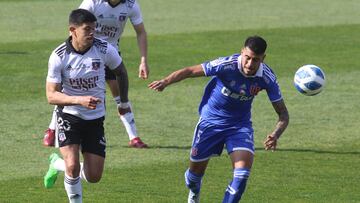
(109, 75)
(89, 134)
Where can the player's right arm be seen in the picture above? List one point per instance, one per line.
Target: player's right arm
(56, 97)
(188, 72)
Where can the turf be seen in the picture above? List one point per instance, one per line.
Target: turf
(318, 156)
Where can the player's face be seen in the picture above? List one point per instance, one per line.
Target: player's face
(84, 34)
(250, 62)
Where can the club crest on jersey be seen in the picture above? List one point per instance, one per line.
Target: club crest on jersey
(242, 91)
(194, 151)
(122, 17)
(95, 64)
(254, 89)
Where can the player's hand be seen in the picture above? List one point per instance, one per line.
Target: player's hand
(124, 108)
(143, 70)
(158, 85)
(270, 142)
(89, 102)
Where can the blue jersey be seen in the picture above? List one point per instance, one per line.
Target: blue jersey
(229, 94)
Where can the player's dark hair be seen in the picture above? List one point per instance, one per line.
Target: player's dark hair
(256, 44)
(80, 16)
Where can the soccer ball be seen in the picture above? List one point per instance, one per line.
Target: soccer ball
(309, 80)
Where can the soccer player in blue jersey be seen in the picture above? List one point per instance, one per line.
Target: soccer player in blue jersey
(225, 114)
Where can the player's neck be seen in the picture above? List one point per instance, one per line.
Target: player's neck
(114, 2)
(80, 47)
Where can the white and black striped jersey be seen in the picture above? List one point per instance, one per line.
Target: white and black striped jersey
(111, 20)
(83, 74)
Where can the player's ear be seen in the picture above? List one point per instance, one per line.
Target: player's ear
(263, 58)
(72, 29)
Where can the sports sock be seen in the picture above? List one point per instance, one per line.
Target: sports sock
(129, 123)
(52, 124)
(193, 181)
(82, 172)
(59, 164)
(73, 189)
(128, 120)
(237, 186)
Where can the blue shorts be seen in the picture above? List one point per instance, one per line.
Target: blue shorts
(209, 140)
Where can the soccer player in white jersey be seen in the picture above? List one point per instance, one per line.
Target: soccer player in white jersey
(112, 16)
(225, 114)
(76, 81)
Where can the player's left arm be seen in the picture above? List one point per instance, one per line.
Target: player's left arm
(123, 82)
(282, 123)
(188, 72)
(141, 36)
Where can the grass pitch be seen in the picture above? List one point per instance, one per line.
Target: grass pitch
(318, 156)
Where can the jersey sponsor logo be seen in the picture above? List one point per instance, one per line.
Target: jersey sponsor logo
(106, 30)
(84, 83)
(241, 96)
(254, 89)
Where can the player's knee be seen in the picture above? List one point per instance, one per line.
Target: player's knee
(72, 169)
(93, 177)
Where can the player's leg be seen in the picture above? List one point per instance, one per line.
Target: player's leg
(93, 147)
(242, 162)
(93, 167)
(207, 142)
(241, 149)
(126, 114)
(49, 136)
(193, 179)
(72, 183)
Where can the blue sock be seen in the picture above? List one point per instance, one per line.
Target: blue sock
(193, 181)
(237, 186)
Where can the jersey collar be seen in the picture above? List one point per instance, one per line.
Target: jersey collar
(113, 6)
(259, 72)
(70, 48)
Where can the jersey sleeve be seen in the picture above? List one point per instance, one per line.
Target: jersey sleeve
(87, 5)
(54, 69)
(135, 14)
(273, 90)
(112, 57)
(217, 66)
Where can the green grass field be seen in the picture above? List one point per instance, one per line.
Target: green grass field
(318, 159)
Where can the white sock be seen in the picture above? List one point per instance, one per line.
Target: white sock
(52, 124)
(128, 120)
(129, 123)
(73, 189)
(82, 172)
(59, 164)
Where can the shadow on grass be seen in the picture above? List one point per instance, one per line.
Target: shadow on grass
(313, 151)
(257, 149)
(154, 147)
(13, 52)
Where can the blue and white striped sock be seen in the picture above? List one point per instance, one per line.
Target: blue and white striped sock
(237, 186)
(193, 181)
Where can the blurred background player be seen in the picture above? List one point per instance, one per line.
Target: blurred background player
(112, 16)
(76, 81)
(225, 114)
